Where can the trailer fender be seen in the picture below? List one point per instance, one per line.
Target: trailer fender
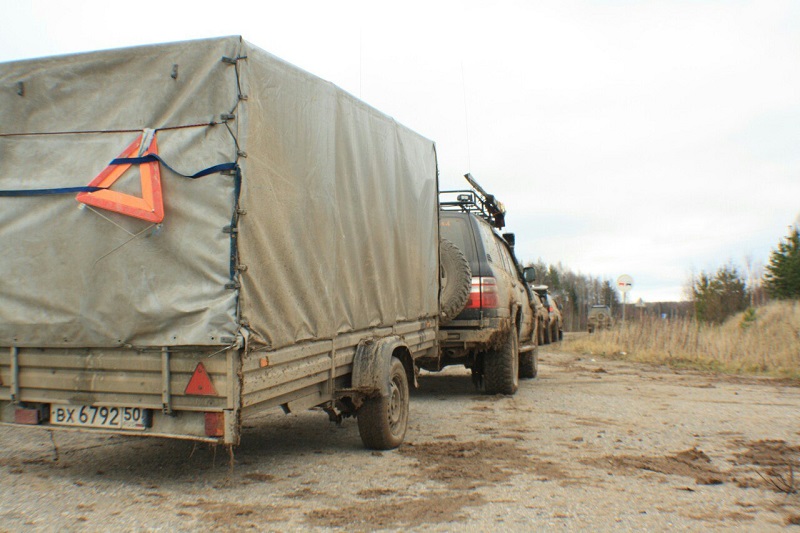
(372, 363)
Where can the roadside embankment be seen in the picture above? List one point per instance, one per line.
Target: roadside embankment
(764, 340)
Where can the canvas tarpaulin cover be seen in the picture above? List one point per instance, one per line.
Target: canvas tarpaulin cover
(329, 227)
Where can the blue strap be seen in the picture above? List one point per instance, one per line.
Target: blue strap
(149, 158)
(43, 192)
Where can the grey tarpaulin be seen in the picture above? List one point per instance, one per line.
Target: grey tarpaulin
(337, 225)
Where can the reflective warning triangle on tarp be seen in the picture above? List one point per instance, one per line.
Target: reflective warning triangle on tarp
(149, 207)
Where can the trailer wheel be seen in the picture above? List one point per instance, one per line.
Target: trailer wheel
(456, 279)
(382, 421)
(501, 367)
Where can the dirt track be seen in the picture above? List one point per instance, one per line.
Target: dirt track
(590, 444)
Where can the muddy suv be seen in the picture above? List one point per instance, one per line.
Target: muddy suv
(555, 322)
(542, 317)
(493, 333)
(599, 318)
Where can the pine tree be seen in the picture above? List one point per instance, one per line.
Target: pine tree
(609, 295)
(720, 296)
(782, 277)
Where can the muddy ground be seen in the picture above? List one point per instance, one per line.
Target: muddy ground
(590, 444)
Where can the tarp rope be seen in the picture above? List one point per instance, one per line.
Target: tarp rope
(95, 132)
(149, 158)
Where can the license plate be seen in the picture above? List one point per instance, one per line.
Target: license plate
(91, 416)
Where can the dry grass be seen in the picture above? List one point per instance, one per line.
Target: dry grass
(761, 341)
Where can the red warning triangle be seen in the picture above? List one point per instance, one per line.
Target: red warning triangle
(149, 207)
(200, 384)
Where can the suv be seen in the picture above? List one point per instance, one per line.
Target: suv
(554, 330)
(542, 320)
(599, 318)
(494, 332)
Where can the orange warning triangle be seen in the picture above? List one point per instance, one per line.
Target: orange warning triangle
(149, 207)
(200, 383)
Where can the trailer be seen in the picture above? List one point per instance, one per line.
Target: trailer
(195, 232)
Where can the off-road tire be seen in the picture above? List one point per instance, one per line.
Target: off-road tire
(501, 367)
(456, 280)
(529, 363)
(382, 421)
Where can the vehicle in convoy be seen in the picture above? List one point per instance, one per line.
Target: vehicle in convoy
(542, 320)
(297, 268)
(555, 322)
(599, 318)
(492, 332)
(556, 318)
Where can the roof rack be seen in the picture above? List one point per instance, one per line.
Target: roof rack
(475, 200)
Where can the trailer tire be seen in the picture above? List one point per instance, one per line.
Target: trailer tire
(456, 280)
(501, 367)
(382, 421)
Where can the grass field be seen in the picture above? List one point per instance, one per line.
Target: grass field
(765, 340)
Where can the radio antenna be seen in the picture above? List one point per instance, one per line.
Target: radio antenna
(360, 58)
(466, 116)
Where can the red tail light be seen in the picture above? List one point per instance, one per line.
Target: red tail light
(215, 424)
(483, 294)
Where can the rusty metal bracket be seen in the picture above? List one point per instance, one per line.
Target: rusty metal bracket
(166, 378)
(332, 377)
(14, 375)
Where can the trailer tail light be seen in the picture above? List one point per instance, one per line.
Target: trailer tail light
(483, 294)
(27, 416)
(215, 424)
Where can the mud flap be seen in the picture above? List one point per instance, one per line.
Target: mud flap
(372, 365)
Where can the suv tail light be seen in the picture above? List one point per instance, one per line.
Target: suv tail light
(483, 294)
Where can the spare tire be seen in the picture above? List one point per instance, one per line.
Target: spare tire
(456, 280)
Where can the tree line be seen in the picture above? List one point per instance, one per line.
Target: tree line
(718, 295)
(575, 292)
(713, 296)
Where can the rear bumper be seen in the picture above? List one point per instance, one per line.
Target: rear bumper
(185, 425)
(467, 333)
(90, 387)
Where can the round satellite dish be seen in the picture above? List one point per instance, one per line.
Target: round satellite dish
(624, 283)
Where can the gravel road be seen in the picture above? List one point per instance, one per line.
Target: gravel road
(590, 444)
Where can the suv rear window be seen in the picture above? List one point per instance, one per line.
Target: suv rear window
(457, 230)
(494, 253)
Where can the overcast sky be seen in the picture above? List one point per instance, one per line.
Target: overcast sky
(651, 138)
